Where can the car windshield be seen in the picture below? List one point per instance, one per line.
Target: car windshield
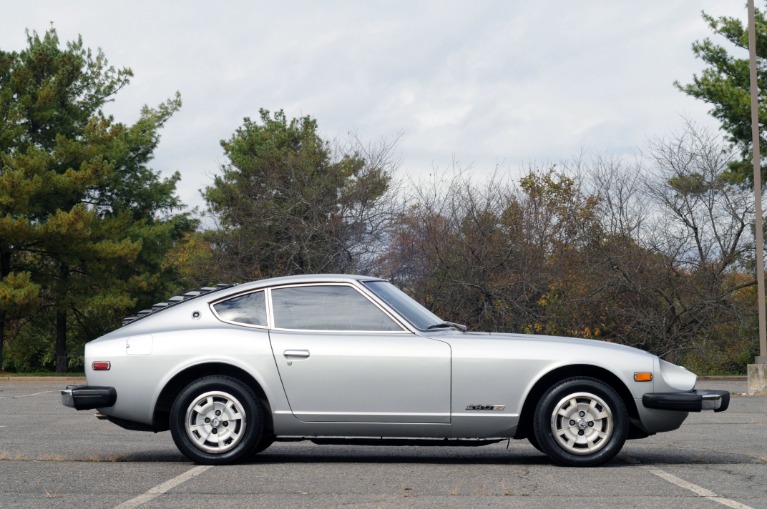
(410, 310)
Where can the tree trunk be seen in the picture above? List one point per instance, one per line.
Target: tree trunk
(61, 322)
(5, 269)
(61, 341)
(2, 336)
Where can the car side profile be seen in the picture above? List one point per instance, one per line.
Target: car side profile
(352, 359)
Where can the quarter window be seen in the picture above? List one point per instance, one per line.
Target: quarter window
(340, 308)
(249, 309)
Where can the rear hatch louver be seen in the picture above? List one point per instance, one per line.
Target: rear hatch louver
(176, 299)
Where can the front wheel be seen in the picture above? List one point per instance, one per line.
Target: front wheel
(216, 420)
(581, 422)
(534, 442)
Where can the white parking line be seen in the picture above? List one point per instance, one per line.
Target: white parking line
(162, 488)
(27, 395)
(698, 490)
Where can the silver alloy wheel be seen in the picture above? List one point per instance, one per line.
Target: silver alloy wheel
(215, 422)
(582, 423)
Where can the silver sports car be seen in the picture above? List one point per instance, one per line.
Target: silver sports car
(352, 359)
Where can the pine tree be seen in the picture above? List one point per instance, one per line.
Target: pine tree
(84, 222)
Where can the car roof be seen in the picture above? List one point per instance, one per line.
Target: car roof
(306, 278)
(245, 287)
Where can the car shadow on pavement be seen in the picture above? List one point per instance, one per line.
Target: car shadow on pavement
(519, 455)
(511, 459)
(691, 457)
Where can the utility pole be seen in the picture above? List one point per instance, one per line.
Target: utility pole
(757, 373)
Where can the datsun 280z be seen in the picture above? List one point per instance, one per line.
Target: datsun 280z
(352, 359)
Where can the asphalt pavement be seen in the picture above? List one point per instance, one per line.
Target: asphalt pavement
(52, 456)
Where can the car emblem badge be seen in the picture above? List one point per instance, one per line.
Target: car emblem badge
(486, 408)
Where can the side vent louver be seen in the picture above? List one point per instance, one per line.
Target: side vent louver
(156, 308)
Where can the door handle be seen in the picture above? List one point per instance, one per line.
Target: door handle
(301, 354)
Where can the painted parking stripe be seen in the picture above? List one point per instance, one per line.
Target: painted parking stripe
(681, 483)
(27, 395)
(698, 490)
(162, 488)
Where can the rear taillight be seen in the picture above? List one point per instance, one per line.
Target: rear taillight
(101, 365)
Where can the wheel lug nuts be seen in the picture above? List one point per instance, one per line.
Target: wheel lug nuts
(572, 422)
(218, 412)
(582, 413)
(226, 423)
(591, 424)
(207, 420)
(580, 433)
(215, 431)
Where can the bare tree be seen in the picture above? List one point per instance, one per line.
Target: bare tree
(675, 251)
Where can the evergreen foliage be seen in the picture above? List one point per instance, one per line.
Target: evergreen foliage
(84, 221)
(725, 84)
(288, 204)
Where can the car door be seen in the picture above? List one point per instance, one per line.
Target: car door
(342, 358)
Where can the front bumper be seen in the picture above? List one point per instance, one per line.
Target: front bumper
(690, 401)
(86, 397)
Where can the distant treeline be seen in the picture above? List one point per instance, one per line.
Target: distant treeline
(655, 252)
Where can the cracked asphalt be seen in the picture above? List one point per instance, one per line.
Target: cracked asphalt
(52, 456)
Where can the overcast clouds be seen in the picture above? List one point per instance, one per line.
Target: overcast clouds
(486, 83)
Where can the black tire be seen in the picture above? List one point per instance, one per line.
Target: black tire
(581, 422)
(534, 442)
(266, 441)
(216, 420)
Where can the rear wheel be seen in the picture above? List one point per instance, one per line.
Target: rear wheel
(216, 420)
(534, 441)
(581, 422)
(266, 441)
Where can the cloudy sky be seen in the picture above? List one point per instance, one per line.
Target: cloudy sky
(481, 85)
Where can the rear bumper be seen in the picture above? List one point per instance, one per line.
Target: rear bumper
(86, 397)
(690, 401)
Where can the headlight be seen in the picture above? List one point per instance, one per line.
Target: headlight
(676, 377)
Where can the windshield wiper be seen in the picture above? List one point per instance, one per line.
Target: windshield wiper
(445, 325)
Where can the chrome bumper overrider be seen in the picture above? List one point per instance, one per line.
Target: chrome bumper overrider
(86, 397)
(691, 401)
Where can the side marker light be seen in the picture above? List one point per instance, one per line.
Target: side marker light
(101, 365)
(643, 377)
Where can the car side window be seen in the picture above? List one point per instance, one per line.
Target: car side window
(328, 307)
(248, 309)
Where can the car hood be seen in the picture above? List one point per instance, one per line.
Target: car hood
(541, 341)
